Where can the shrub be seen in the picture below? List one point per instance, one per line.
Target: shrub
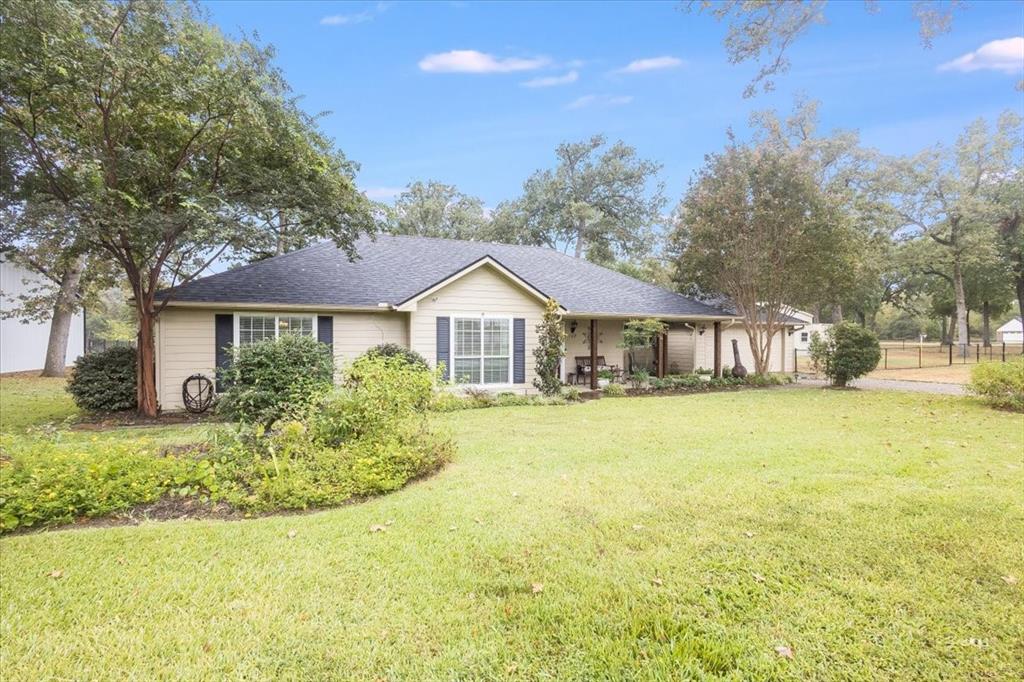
(1000, 384)
(479, 397)
(278, 378)
(446, 401)
(377, 394)
(572, 394)
(393, 350)
(105, 382)
(45, 482)
(614, 391)
(509, 399)
(639, 377)
(845, 352)
(549, 349)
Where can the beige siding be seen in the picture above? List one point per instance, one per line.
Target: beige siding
(184, 346)
(609, 337)
(185, 343)
(680, 348)
(354, 333)
(484, 291)
(782, 345)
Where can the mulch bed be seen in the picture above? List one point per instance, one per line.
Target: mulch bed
(120, 420)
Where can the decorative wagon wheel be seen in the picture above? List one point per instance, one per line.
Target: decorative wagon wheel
(197, 393)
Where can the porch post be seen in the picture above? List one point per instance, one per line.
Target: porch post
(718, 349)
(593, 355)
(662, 355)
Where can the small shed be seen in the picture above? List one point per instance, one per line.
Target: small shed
(1011, 332)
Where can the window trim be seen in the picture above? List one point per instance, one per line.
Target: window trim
(511, 349)
(277, 322)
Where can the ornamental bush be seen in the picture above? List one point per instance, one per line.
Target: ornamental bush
(845, 352)
(105, 382)
(549, 350)
(393, 350)
(276, 379)
(1000, 384)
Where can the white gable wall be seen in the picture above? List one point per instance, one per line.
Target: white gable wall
(23, 346)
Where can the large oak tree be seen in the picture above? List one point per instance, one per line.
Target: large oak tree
(161, 144)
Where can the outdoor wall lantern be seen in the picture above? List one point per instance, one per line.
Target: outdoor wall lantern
(572, 327)
(703, 328)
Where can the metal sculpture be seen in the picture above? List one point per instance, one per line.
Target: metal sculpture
(738, 370)
(197, 393)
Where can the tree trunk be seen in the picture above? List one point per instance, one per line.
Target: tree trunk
(986, 324)
(146, 369)
(1019, 284)
(60, 323)
(837, 313)
(943, 331)
(580, 241)
(962, 334)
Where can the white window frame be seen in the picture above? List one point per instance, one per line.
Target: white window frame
(277, 323)
(511, 350)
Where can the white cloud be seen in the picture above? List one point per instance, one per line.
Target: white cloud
(471, 61)
(599, 101)
(358, 18)
(382, 193)
(651, 64)
(550, 81)
(1005, 55)
(345, 19)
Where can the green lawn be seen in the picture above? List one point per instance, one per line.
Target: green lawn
(674, 538)
(31, 400)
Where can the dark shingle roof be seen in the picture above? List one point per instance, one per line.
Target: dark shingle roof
(391, 269)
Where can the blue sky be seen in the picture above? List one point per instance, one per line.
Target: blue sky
(410, 98)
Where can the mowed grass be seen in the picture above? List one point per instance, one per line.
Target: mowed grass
(29, 400)
(877, 535)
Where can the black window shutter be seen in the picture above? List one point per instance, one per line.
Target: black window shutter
(224, 336)
(444, 346)
(518, 351)
(325, 330)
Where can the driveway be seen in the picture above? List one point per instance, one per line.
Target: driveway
(894, 385)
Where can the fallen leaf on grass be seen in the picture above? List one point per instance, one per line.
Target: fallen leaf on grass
(451, 527)
(757, 577)
(784, 651)
(537, 588)
(657, 581)
(378, 529)
(56, 574)
(1009, 579)
(749, 534)
(291, 534)
(389, 522)
(638, 526)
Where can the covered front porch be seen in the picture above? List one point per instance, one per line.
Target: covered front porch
(597, 342)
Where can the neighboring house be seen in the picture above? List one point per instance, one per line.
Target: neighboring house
(805, 331)
(23, 344)
(473, 306)
(1011, 332)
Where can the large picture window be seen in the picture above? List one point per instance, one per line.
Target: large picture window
(256, 328)
(481, 350)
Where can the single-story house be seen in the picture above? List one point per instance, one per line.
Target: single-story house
(473, 306)
(23, 342)
(1011, 332)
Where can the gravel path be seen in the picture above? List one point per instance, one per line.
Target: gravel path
(894, 385)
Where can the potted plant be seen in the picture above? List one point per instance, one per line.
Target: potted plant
(604, 377)
(704, 374)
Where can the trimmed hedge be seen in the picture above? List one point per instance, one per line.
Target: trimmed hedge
(105, 382)
(393, 350)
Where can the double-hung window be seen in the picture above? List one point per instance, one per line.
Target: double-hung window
(256, 328)
(481, 350)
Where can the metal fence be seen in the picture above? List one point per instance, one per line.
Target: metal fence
(913, 355)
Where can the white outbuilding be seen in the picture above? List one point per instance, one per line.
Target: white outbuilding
(1011, 332)
(23, 344)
